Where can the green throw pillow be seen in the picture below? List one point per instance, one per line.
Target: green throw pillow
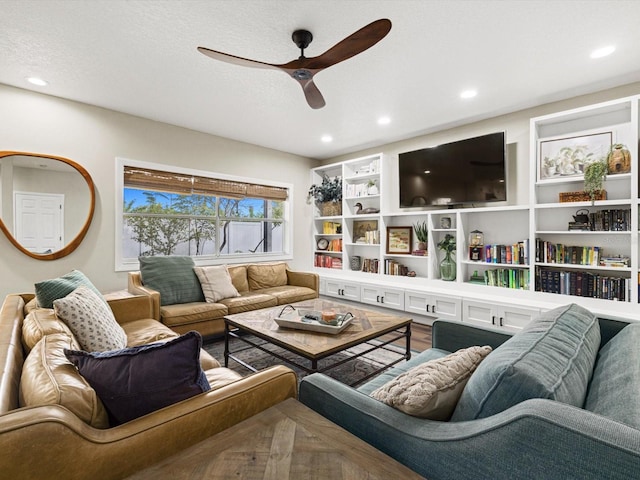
(49, 290)
(173, 277)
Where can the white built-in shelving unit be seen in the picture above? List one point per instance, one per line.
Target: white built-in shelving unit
(543, 219)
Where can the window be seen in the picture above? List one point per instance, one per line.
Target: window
(212, 217)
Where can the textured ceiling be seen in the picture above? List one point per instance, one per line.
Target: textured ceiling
(140, 57)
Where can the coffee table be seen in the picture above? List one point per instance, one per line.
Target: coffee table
(286, 441)
(310, 346)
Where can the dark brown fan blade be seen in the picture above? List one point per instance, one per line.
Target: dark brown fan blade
(354, 44)
(245, 62)
(312, 94)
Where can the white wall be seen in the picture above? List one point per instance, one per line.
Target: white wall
(516, 126)
(94, 137)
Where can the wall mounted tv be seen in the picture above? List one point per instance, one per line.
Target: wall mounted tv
(467, 171)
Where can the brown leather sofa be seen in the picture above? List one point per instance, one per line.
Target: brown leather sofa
(64, 437)
(260, 285)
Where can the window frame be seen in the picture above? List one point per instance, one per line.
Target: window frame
(123, 264)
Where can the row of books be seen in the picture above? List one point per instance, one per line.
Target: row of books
(391, 267)
(327, 261)
(549, 252)
(517, 278)
(370, 265)
(357, 190)
(583, 284)
(371, 237)
(331, 228)
(515, 254)
(614, 220)
(335, 245)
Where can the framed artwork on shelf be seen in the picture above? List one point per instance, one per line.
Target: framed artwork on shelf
(365, 231)
(399, 240)
(568, 156)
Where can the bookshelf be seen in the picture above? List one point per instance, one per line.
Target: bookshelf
(535, 256)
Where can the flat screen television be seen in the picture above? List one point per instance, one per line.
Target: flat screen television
(467, 171)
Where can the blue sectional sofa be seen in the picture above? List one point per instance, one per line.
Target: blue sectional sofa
(558, 400)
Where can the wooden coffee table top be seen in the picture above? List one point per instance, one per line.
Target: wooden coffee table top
(287, 441)
(366, 325)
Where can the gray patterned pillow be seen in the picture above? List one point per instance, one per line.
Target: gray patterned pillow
(91, 321)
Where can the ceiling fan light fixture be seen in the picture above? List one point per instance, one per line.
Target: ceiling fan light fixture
(302, 74)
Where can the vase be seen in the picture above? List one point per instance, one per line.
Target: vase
(619, 160)
(448, 268)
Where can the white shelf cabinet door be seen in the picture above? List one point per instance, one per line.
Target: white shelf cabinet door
(516, 318)
(497, 315)
(382, 296)
(346, 290)
(433, 305)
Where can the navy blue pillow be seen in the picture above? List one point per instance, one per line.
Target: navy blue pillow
(138, 380)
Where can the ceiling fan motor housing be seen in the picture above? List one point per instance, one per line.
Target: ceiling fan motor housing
(302, 38)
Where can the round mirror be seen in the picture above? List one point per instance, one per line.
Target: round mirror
(46, 203)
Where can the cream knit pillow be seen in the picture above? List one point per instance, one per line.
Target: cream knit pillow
(216, 283)
(432, 389)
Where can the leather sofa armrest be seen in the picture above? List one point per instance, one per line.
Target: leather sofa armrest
(50, 442)
(135, 287)
(133, 308)
(304, 279)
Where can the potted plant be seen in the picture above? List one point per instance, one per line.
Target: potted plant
(327, 196)
(448, 264)
(372, 187)
(594, 175)
(422, 234)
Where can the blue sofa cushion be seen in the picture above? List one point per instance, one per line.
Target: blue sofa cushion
(552, 357)
(173, 276)
(613, 392)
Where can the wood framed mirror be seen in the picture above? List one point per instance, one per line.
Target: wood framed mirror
(46, 203)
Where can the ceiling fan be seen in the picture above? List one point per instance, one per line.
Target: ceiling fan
(303, 69)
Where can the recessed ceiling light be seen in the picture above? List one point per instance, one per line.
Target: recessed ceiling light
(468, 94)
(384, 121)
(327, 138)
(37, 81)
(603, 52)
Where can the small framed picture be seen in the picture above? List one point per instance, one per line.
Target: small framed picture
(399, 240)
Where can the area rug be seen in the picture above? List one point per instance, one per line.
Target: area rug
(349, 372)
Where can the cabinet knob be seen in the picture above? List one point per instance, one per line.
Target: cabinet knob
(501, 320)
(378, 298)
(427, 308)
(433, 309)
(493, 320)
(382, 299)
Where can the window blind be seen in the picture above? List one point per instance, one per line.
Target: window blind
(148, 179)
